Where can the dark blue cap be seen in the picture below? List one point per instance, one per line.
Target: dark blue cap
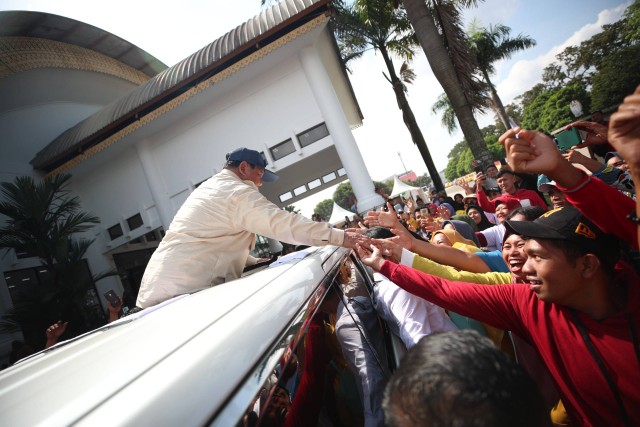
(253, 158)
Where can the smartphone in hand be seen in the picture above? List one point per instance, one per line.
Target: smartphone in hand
(567, 139)
(112, 297)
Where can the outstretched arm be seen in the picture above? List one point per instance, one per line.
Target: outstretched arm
(438, 253)
(624, 135)
(534, 152)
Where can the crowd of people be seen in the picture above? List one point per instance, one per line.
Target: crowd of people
(518, 304)
(539, 258)
(556, 278)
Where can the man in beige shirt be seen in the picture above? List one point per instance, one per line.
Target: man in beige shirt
(209, 239)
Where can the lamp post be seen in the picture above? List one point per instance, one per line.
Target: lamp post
(405, 168)
(576, 108)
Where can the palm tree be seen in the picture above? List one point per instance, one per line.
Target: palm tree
(493, 44)
(377, 25)
(42, 218)
(438, 29)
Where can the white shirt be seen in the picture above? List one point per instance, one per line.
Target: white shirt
(494, 236)
(209, 240)
(411, 316)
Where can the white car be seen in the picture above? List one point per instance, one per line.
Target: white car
(226, 356)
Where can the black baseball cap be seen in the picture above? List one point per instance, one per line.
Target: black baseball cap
(253, 158)
(567, 223)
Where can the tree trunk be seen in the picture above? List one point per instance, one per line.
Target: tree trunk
(410, 120)
(497, 102)
(443, 69)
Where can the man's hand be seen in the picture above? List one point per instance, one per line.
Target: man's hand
(55, 331)
(370, 255)
(387, 219)
(531, 152)
(389, 248)
(444, 212)
(624, 131)
(409, 203)
(352, 239)
(534, 152)
(596, 132)
(574, 156)
(480, 180)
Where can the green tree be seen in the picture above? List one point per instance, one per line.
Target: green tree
(42, 219)
(344, 196)
(461, 159)
(618, 76)
(292, 209)
(377, 25)
(437, 24)
(493, 44)
(422, 181)
(324, 209)
(550, 110)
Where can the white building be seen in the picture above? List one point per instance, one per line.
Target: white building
(138, 138)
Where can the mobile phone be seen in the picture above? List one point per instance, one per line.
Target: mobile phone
(477, 169)
(424, 212)
(567, 139)
(112, 297)
(503, 162)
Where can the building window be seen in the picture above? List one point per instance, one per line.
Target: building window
(135, 221)
(314, 184)
(312, 135)
(286, 196)
(282, 150)
(329, 177)
(300, 190)
(342, 172)
(115, 231)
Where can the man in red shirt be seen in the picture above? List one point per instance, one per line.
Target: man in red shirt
(580, 312)
(507, 183)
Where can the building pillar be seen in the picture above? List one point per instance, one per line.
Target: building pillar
(338, 126)
(154, 181)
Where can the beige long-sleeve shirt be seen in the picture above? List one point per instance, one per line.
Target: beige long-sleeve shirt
(209, 240)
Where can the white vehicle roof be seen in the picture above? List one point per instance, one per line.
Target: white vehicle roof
(182, 363)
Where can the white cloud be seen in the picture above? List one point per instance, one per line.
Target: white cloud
(524, 74)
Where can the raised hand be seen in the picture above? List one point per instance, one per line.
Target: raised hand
(531, 151)
(596, 132)
(370, 255)
(55, 331)
(352, 239)
(624, 130)
(387, 219)
(389, 248)
(444, 212)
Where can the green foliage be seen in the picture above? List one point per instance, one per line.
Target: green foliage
(550, 110)
(42, 219)
(461, 159)
(422, 181)
(324, 209)
(343, 195)
(631, 31)
(618, 76)
(496, 149)
(385, 186)
(292, 209)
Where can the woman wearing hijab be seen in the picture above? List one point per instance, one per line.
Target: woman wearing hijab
(476, 213)
(450, 237)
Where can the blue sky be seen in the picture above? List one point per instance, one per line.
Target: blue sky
(173, 30)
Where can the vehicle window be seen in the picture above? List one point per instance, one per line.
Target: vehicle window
(333, 371)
